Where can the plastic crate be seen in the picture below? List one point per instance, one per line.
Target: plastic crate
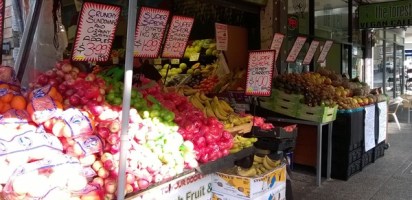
(379, 151)
(282, 103)
(346, 158)
(274, 144)
(321, 114)
(367, 157)
(348, 128)
(344, 172)
(278, 132)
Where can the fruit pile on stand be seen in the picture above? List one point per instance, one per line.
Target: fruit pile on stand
(318, 96)
(64, 131)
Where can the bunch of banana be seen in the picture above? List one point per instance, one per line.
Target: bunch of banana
(260, 166)
(240, 143)
(188, 91)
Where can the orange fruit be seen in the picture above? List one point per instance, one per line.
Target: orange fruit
(6, 98)
(5, 108)
(18, 103)
(4, 86)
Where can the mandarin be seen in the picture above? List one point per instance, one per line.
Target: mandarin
(18, 103)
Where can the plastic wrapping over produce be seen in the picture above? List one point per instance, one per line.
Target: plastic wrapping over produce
(47, 47)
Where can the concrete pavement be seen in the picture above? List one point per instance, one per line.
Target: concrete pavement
(389, 178)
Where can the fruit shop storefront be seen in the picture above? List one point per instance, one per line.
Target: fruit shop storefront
(75, 122)
(191, 137)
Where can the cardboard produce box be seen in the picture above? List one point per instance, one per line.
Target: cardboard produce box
(190, 187)
(276, 193)
(248, 187)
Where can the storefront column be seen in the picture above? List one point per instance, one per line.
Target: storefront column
(280, 26)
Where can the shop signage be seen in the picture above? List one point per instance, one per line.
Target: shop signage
(325, 51)
(95, 32)
(297, 46)
(388, 14)
(177, 37)
(190, 187)
(293, 22)
(369, 129)
(2, 8)
(221, 36)
(309, 55)
(150, 29)
(277, 43)
(260, 72)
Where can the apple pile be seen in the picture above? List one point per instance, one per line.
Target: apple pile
(207, 84)
(156, 150)
(210, 139)
(77, 88)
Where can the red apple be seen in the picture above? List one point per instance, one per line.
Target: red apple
(42, 79)
(103, 132)
(113, 139)
(74, 100)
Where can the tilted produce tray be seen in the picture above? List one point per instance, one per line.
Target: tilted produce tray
(321, 114)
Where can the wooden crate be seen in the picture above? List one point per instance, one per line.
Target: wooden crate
(284, 97)
(321, 114)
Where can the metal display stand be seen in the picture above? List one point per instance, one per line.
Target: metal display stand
(319, 144)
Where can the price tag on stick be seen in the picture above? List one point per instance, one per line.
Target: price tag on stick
(325, 51)
(177, 37)
(95, 32)
(297, 46)
(260, 72)
(277, 43)
(150, 29)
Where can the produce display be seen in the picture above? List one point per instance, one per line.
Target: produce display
(240, 143)
(214, 107)
(76, 118)
(325, 88)
(260, 166)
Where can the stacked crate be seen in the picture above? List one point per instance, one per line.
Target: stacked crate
(347, 145)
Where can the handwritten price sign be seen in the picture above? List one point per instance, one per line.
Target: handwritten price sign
(297, 46)
(325, 51)
(177, 37)
(149, 32)
(312, 49)
(277, 43)
(259, 73)
(95, 32)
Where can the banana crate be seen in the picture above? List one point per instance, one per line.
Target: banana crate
(239, 187)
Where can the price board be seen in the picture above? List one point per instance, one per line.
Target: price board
(150, 29)
(177, 37)
(309, 55)
(325, 51)
(277, 43)
(95, 32)
(259, 73)
(297, 46)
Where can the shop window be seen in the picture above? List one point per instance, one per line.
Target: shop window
(331, 20)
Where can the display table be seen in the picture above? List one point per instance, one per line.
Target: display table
(318, 146)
